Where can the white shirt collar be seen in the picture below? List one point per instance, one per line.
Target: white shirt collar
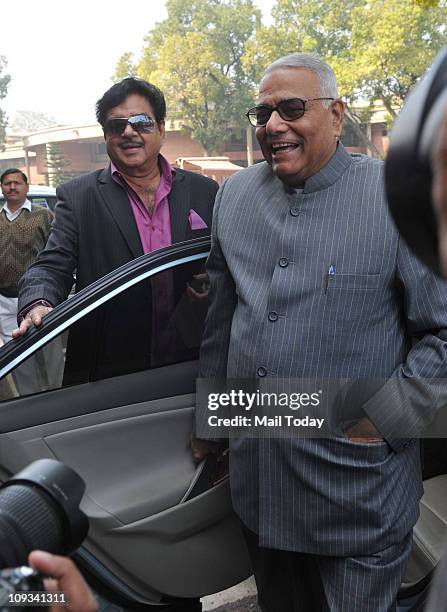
(13, 215)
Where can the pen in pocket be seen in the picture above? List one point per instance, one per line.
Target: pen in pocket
(330, 272)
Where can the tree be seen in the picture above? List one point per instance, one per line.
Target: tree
(57, 165)
(377, 48)
(389, 56)
(4, 82)
(194, 56)
(26, 121)
(312, 26)
(428, 3)
(124, 68)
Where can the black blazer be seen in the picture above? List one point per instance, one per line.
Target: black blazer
(94, 232)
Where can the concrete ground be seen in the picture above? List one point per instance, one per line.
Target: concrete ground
(240, 598)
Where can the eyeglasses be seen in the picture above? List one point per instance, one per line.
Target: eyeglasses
(288, 110)
(140, 123)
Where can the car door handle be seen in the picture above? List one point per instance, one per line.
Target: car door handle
(210, 471)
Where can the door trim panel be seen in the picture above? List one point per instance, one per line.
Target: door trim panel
(61, 404)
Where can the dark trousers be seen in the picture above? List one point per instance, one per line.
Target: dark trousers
(299, 582)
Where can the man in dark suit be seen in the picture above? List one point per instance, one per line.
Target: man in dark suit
(108, 217)
(312, 284)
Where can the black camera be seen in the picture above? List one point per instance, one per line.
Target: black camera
(39, 509)
(408, 165)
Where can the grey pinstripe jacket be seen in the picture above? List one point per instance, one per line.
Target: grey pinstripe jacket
(380, 314)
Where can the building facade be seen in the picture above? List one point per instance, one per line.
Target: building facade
(81, 148)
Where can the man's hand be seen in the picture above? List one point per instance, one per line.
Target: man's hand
(364, 431)
(65, 578)
(439, 190)
(201, 448)
(33, 317)
(199, 287)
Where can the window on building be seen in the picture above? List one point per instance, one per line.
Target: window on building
(350, 137)
(98, 152)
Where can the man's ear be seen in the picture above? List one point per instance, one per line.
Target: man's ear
(162, 128)
(338, 114)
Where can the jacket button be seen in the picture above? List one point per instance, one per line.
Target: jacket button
(261, 372)
(283, 262)
(273, 316)
(295, 211)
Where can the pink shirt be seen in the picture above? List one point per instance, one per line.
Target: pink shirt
(155, 229)
(155, 233)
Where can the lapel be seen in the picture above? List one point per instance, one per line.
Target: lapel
(117, 202)
(179, 206)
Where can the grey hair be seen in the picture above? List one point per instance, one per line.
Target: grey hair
(312, 62)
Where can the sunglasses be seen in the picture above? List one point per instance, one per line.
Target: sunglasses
(288, 110)
(140, 123)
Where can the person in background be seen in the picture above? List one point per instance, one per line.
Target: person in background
(24, 231)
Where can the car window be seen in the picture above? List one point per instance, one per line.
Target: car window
(47, 200)
(157, 321)
(39, 200)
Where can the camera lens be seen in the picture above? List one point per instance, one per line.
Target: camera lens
(39, 509)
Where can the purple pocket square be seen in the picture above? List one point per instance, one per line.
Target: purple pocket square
(195, 221)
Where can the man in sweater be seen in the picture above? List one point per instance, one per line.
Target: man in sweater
(24, 231)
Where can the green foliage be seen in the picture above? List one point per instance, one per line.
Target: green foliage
(57, 165)
(4, 82)
(427, 3)
(124, 68)
(208, 55)
(312, 26)
(194, 56)
(377, 48)
(390, 55)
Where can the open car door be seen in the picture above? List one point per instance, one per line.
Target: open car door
(106, 385)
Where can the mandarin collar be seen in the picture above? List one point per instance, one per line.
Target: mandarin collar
(330, 173)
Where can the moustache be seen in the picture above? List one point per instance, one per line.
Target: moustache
(130, 143)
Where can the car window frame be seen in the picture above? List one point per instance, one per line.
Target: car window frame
(98, 293)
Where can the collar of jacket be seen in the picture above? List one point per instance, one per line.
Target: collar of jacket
(105, 175)
(331, 172)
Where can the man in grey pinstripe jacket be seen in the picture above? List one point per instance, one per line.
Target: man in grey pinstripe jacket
(310, 280)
